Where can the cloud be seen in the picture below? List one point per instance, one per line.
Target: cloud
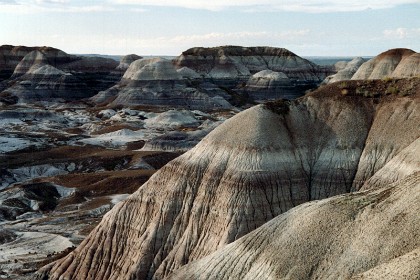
(174, 45)
(60, 6)
(309, 6)
(8, 2)
(41, 2)
(401, 33)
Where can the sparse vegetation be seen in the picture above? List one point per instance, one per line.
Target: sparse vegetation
(280, 106)
(391, 90)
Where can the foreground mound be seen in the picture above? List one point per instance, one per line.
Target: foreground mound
(373, 233)
(250, 169)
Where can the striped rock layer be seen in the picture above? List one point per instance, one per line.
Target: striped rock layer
(249, 170)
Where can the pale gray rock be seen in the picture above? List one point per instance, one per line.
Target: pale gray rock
(383, 65)
(347, 72)
(402, 165)
(340, 65)
(127, 60)
(188, 73)
(179, 141)
(268, 84)
(158, 69)
(229, 62)
(156, 82)
(172, 119)
(368, 235)
(408, 67)
(394, 128)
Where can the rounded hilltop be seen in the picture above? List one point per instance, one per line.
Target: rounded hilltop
(405, 61)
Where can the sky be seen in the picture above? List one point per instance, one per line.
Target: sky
(168, 27)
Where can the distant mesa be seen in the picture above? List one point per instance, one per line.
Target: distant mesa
(208, 209)
(156, 82)
(215, 78)
(228, 62)
(45, 73)
(127, 60)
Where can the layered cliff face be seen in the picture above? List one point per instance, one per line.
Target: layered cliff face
(240, 62)
(264, 85)
(155, 82)
(405, 61)
(250, 169)
(368, 235)
(259, 68)
(45, 72)
(214, 78)
(10, 56)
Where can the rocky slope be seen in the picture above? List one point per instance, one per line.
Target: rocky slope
(155, 82)
(347, 72)
(395, 63)
(368, 235)
(10, 56)
(265, 84)
(44, 73)
(250, 169)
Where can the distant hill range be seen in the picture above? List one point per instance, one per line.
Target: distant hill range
(200, 78)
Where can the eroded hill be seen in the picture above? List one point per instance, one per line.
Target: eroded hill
(256, 166)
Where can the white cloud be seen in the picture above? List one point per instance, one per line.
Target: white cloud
(164, 45)
(311, 6)
(8, 2)
(401, 33)
(308, 6)
(52, 1)
(226, 38)
(168, 45)
(61, 6)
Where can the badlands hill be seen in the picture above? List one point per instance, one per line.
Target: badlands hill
(346, 72)
(240, 62)
(368, 235)
(394, 63)
(260, 164)
(42, 73)
(127, 60)
(206, 78)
